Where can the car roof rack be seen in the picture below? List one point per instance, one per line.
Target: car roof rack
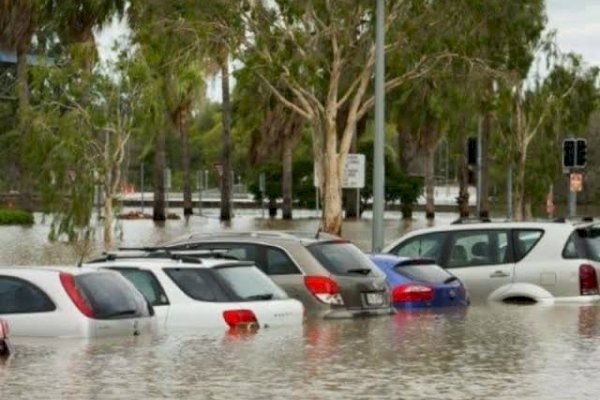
(149, 255)
(470, 220)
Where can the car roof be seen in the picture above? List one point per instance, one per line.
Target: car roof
(557, 226)
(302, 237)
(43, 269)
(159, 263)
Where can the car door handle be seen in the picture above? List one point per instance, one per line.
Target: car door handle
(499, 274)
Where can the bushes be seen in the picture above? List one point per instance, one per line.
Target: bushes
(15, 217)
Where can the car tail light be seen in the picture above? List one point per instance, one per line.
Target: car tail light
(80, 302)
(409, 293)
(588, 281)
(325, 289)
(240, 319)
(4, 329)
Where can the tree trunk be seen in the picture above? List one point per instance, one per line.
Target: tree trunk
(185, 162)
(484, 202)
(272, 207)
(463, 181)
(226, 144)
(429, 183)
(287, 178)
(520, 186)
(159, 178)
(108, 220)
(331, 187)
(24, 183)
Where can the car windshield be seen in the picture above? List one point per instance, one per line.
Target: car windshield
(249, 283)
(591, 238)
(112, 297)
(343, 258)
(429, 273)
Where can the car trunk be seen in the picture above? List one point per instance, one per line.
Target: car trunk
(361, 285)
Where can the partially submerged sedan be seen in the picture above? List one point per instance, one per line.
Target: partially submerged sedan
(187, 292)
(420, 283)
(69, 302)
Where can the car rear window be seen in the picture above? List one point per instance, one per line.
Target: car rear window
(429, 273)
(18, 296)
(198, 284)
(343, 258)
(112, 297)
(249, 283)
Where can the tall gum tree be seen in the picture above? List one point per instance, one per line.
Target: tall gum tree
(323, 53)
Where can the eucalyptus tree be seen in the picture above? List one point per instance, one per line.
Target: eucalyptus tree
(75, 21)
(323, 53)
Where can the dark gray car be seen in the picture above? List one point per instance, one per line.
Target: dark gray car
(329, 275)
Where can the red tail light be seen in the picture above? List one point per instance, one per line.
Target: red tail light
(80, 302)
(409, 293)
(325, 289)
(4, 329)
(240, 319)
(588, 281)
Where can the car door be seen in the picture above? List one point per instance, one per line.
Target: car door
(481, 259)
(27, 308)
(146, 283)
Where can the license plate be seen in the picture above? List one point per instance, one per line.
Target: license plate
(374, 299)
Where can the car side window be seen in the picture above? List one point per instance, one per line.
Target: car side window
(197, 284)
(146, 283)
(18, 296)
(525, 241)
(426, 246)
(570, 250)
(474, 248)
(278, 263)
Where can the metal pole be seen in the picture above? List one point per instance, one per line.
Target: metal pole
(509, 194)
(572, 203)
(479, 162)
(142, 185)
(358, 203)
(378, 151)
(200, 187)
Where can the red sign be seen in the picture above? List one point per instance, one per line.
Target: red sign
(219, 169)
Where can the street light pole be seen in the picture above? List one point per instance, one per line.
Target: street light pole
(378, 151)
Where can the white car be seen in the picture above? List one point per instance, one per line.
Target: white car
(542, 262)
(188, 292)
(70, 302)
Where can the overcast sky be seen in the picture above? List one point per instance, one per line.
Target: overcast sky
(577, 23)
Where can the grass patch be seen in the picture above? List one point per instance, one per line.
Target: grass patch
(15, 217)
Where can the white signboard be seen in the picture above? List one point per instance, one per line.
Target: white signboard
(354, 173)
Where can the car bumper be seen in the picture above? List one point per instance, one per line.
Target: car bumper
(593, 299)
(344, 313)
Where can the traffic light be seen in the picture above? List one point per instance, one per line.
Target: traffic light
(581, 158)
(568, 153)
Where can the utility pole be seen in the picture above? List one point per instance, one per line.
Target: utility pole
(378, 151)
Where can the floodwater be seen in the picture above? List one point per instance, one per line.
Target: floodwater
(486, 351)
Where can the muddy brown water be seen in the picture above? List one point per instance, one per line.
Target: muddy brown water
(486, 351)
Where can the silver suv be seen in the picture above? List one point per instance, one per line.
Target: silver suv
(329, 275)
(514, 261)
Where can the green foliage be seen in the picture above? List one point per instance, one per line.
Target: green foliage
(15, 217)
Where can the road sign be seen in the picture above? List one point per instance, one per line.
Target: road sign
(576, 182)
(354, 172)
(218, 169)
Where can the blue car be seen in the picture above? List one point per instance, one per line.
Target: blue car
(420, 283)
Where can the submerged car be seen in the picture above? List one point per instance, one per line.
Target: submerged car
(70, 302)
(329, 275)
(522, 262)
(420, 283)
(187, 292)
